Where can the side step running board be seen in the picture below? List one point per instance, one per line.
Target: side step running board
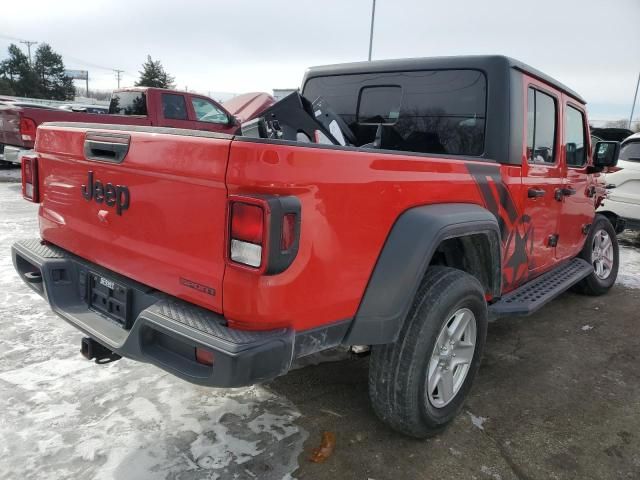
(533, 295)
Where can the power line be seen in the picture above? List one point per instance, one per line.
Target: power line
(69, 57)
(118, 74)
(28, 44)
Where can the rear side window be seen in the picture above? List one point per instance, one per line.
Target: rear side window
(630, 151)
(128, 103)
(574, 128)
(208, 112)
(435, 111)
(541, 127)
(174, 106)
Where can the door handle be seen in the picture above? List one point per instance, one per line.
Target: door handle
(564, 192)
(106, 147)
(536, 192)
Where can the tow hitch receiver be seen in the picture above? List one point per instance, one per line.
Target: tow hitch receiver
(91, 349)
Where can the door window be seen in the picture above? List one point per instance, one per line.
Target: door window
(174, 106)
(541, 127)
(574, 128)
(208, 112)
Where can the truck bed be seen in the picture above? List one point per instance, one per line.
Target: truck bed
(10, 121)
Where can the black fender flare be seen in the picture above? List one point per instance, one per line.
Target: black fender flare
(403, 262)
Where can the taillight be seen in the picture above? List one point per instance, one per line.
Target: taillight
(30, 178)
(247, 233)
(287, 236)
(264, 232)
(27, 129)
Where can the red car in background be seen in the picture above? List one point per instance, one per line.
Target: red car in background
(141, 106)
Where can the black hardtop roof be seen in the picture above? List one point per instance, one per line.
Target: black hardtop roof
(481, 62)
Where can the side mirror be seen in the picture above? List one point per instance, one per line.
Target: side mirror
(231, 120)
(605, 154)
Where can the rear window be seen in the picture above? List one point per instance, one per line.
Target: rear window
(128, 103)
(174, 106)
(437, 111)
(630, 151)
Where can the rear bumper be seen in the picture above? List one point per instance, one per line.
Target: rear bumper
(14, 154)
(165, 330)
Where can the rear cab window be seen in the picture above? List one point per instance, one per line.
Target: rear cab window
(174, 106)
(128, 103)
(430, 111)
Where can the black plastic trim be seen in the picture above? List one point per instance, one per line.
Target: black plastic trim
(279, 260)
(166, 330)
(533, 295)
(404, 260)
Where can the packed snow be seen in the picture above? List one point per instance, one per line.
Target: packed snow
(62, 416)
(629, 274)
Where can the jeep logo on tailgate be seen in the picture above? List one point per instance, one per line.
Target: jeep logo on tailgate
(111, 195)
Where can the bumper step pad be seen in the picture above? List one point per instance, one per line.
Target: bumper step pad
(165, 331)
(533, 295)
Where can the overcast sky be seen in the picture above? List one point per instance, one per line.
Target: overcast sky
(237, 46)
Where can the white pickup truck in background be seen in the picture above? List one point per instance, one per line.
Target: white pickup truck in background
(623, 186)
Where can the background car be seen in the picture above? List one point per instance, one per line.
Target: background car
(623, 192)
(73, 107)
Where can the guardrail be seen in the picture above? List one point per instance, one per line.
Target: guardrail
(55, 103)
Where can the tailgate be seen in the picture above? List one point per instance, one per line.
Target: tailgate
(10, 126)
(157, 215)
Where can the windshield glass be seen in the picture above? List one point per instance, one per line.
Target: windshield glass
(630, 151)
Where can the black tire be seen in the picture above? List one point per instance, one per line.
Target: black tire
(594, 285)
(398, 371)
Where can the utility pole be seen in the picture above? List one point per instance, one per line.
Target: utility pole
(633, 105)
(28, 44)
(118, 75)
(373, 16)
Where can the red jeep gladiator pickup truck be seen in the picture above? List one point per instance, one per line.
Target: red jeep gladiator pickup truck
(131, 106)
(464, 190)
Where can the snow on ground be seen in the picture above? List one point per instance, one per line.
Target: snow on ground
(9, 174)
(64, 417)
(629, 274)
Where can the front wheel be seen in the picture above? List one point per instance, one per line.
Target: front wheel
(600, 250)
(418, 384)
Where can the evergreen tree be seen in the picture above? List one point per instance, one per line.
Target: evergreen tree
(5, 87)
(17, 74)
(154, 75)
(49, 68)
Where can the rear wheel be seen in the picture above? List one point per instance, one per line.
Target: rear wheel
(600, 250)
(418, 384)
